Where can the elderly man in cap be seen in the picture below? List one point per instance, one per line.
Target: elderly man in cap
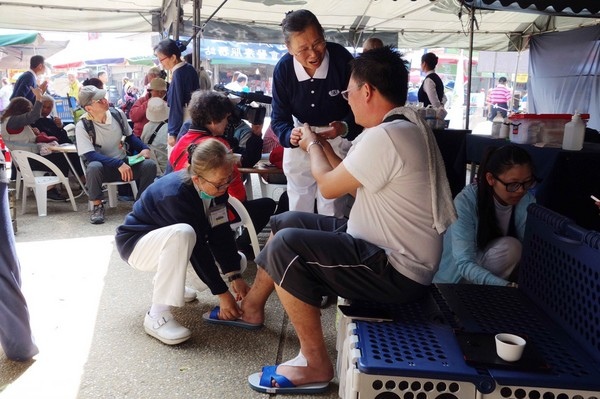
(156, 88)
(103, 136)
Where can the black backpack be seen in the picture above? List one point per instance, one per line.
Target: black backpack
(91, 131)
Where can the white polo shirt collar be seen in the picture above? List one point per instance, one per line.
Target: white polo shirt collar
(320, 73)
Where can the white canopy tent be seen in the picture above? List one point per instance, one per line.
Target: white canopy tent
(17, 48)
(417, 24)
(493, 25)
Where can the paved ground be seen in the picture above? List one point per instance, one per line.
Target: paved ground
(87, 308)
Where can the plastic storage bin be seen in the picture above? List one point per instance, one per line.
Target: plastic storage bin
(540, 128)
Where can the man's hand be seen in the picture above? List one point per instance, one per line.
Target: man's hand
(126, 172)
(171, 140)
(145, 153)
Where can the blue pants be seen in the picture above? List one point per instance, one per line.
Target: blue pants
(15, 331)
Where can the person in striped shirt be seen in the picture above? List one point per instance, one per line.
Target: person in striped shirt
(499, 98)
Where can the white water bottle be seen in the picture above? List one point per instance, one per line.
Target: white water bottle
(496, 124)
(574, 134)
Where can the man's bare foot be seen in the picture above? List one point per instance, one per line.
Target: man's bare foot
(251, 313)
(300, 372)
(305, 375)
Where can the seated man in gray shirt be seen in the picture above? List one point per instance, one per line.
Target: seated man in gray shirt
(103, 136)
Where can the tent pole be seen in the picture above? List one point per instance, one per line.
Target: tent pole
(196, 60)
(515, 82)
(176, 21)
(471, 34)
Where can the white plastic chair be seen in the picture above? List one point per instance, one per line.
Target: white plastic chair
(19, 178)
(246, 222)
(40, 184)
(271, 190)
(111, 188)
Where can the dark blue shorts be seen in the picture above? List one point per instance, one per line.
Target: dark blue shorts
(311, 255)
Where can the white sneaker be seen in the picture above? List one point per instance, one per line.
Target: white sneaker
(166, 329)
(189, 294)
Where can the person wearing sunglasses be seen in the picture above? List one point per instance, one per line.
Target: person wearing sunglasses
(484, 245)
(180, 220)
(307, 88)
(104, 140)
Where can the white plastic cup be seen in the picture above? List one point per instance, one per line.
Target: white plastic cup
(509, 347)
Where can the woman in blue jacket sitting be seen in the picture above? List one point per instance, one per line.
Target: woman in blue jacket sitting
(484, 245)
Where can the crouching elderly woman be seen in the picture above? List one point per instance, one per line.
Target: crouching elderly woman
(182, 219)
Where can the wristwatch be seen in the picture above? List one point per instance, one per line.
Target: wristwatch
(234, 276)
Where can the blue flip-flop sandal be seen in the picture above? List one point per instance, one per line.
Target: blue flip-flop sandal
(213, 317)
(263, 382)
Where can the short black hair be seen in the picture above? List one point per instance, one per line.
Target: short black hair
(430, 59)
(502, 80)
(36, 61)
(208, 106)
(93, 82)
(386, 70)
(170, 47)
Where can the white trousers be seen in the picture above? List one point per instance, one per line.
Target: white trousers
(501, 256)
(167, 251)
(301, 185)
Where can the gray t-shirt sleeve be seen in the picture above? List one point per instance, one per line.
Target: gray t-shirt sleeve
(82, 138)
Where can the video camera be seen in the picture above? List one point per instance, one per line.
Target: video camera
(244, 109)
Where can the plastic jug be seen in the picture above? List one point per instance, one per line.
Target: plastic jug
(505, 129)
(496, 124)
(574, 134)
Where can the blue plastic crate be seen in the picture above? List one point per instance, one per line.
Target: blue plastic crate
(562, 274)
(63, 109)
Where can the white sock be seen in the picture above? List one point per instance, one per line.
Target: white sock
(156, 309)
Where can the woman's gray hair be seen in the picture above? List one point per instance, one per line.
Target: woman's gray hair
(47, 97)
(210, 154)
(298, 21)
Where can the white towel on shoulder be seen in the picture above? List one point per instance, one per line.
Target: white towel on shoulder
(444, 213)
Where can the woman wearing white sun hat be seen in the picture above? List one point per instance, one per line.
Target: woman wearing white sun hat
(155, 132)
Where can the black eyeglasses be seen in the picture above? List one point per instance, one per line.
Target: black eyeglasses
(219, 187)
(515, 186)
